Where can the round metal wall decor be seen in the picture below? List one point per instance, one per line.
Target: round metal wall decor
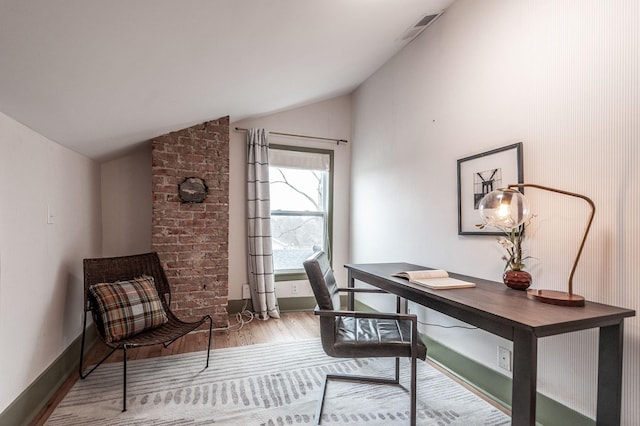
(192, 190)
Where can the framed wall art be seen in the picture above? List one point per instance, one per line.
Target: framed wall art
(480, 174)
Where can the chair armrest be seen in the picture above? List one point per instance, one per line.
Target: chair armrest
(373, 315)
(362, 290)
(370, 290)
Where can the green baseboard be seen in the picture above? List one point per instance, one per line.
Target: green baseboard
(34, 398)
(291, 304)
(498, 387)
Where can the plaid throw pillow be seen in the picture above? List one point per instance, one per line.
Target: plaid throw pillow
(128, 307)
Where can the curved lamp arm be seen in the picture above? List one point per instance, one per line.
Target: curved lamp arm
(586, 231)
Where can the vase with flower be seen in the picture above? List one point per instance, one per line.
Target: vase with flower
(514, 275)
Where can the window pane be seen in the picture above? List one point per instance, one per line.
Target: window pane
(300, 185)
(297, 190)
(294, 238)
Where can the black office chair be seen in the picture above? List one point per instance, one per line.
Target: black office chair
(352, 334)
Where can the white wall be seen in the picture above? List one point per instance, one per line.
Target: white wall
(332, 119)
(127, 203)
(41, 281)
(563, 78)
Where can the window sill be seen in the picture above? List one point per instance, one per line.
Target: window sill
(290, 276)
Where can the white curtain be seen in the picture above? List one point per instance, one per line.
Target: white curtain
(261, 277)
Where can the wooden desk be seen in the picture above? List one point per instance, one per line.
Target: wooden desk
(509, 314)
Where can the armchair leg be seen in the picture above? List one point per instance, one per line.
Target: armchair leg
(124, 379)
(84, 332)
(414, 380)
(366, 379)
(318, 414)
(81, 372)
(209, 345)
(84, 375)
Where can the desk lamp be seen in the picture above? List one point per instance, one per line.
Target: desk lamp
(508, 208)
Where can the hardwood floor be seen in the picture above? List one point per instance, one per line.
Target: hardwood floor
(290, 327)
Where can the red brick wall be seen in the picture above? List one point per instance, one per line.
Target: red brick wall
(192, 239)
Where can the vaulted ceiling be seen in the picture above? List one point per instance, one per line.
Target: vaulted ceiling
(101, 76)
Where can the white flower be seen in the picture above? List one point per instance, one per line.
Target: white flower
(505, 243)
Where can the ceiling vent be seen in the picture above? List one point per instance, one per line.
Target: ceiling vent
(420, 26)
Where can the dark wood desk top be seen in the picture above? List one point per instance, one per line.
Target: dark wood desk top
(491, 305)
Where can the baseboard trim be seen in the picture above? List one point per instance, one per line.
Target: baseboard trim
(34, 398)
(498, 386)
(288, 304)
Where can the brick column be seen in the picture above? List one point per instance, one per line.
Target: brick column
(192, 239)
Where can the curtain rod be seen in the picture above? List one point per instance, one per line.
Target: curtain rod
(240, 129)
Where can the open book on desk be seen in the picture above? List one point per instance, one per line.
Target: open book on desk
(436, 279)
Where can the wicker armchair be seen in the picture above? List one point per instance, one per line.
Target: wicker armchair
(353, 334)
(109, 270)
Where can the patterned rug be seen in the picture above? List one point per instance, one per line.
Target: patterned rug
(266, 384)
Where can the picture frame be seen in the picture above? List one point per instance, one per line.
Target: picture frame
(480, 174)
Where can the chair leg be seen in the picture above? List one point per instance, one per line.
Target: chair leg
(350, 378)
(84, 332)
(81, 372)
(124, 379)
(318, 415)
(84, 375)
(414, 381)
(209, 345)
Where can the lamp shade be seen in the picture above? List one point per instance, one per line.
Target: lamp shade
(504, 208)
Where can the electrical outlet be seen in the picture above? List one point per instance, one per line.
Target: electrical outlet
(294, 288)
(504, 358)
(246, 292)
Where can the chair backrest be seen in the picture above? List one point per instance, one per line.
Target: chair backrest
(112, 269)
(325, 290)
(323, 283)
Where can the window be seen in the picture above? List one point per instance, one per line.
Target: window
(301, 185)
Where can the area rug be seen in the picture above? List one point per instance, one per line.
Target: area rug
(266, 384)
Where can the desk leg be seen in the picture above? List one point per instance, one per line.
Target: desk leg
(610, 375)
(525, 372)
(350, 296)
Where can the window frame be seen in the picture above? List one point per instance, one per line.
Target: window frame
(294, 275)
